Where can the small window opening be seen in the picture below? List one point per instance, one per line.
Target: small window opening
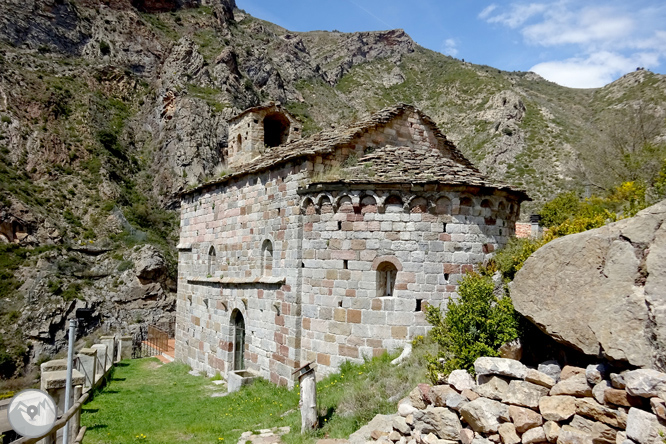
(500, 231)
(267, 258)
(211, 261)
(302, 264)
(345, 264)
(340, 225)
(418, 305)
(256, 120)
(386, 274)
(444, 227)
(340, 303)
(446, 276)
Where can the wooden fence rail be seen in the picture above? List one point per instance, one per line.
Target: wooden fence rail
(60, 423)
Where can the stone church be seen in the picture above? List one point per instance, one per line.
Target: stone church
(328, 248)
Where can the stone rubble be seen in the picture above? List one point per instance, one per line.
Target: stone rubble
(512, 404)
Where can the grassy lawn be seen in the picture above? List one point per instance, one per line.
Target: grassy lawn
(152, 403)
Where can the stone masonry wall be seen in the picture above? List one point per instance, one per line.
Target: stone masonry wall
(432, 236)
(236, 222)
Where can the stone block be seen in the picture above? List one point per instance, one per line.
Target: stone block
(348, 351)
(58, 379)
(124, 347)
(524, 418)
(644, 427)
(101, 358)
(239, 378)
(557, 408)
(492, 387)
(500, 366)
(54, 365)
(399, 332)
(110, 342)
(88, 359)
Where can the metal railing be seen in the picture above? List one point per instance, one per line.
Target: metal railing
(153, 340)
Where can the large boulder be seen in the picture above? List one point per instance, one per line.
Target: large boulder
(602, 292)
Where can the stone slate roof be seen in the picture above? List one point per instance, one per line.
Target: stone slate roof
(387, 164)
(412, 164)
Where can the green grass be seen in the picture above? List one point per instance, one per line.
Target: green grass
(166, 404)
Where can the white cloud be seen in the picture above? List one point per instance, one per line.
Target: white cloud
(594, 71)
(600, 25)
(590, 43)
(487, 11)
(516, 16)
(449, 47)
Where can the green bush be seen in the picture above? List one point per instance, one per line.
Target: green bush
(72, 292)
(511, 258)
(561, 208)
(475, 325)
(125, 265)
(104, 48)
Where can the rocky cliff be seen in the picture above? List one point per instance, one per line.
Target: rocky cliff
(108, 109)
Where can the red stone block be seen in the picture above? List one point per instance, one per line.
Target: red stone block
(347, 350)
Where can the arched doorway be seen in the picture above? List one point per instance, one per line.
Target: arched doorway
(239, 340)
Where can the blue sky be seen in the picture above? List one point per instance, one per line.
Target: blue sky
(580, 44)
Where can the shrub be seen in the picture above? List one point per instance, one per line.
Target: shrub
(104, 48)
(125, 265)
(475, 325)
(72, 292)
(511, 258)
(561, 208)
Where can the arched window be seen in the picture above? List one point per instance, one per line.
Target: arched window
(466, 205)
(211, 261)
(418, 205)
(443, 206)
(310, 207)
(368, 204)
(393, 204)
(276, 129)
(326, 206)
(386, 274)
(345, 205)
(239, 339)
(267, 258)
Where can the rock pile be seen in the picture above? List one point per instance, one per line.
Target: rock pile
(510, 403)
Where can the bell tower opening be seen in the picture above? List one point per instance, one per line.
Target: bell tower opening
(276, 129)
